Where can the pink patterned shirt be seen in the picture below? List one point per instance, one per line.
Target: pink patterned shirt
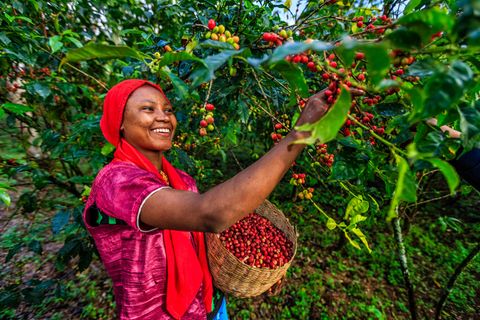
(134, 258)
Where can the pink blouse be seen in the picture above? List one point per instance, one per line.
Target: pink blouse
(134, 258)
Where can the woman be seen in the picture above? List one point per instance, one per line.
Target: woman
(147, 218)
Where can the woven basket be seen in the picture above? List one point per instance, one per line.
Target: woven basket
(239, 279)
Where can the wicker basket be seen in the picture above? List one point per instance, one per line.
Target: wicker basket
(239, 279)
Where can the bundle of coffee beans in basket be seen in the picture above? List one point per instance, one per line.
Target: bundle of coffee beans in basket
(253, 254)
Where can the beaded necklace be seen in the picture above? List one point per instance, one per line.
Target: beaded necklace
(165, 177)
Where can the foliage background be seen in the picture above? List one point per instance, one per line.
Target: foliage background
(57, 61)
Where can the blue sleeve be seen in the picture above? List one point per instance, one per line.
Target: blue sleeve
(468, 167)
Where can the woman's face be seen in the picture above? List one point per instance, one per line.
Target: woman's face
(148, 121)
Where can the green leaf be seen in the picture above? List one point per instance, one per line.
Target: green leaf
(55, 43)
(107, 149)
(357, 219)
(434, 144)
(331, 224)
(100, 51)
(35, 246)
(345, 170)
(230, 134)
(41, 89)
(327, 127)
(448, 171)
(10, 298)
(378, 61)
(5, 39)
(427, 22)
(60, 220)
(172, 57)
(13, 251)
(405, 39)
(180, 87)
(362, 237)
(5, 197)
(443, 90)
(411, 6)
(206, 72)
(16, 108)
(391, 109)
(352, 242)
(212, 44)
(294, 75)
(405, 188)
(356, 206)
(376, 54)
(73, 40)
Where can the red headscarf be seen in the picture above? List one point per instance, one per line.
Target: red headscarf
(187, 269)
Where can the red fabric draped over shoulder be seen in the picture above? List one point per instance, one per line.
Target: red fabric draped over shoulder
(187, 266)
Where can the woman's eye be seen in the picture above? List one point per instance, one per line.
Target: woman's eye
(169, 110)
(147, 108)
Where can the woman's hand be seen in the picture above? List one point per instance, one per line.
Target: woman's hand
(315, 108)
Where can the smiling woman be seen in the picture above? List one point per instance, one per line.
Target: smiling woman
(147, 218)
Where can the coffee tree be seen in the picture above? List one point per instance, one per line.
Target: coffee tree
(238, 75)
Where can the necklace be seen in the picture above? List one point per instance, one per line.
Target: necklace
(165, 177)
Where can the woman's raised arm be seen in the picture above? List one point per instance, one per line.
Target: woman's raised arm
(226, 203)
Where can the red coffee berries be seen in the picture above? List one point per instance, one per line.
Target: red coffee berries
(255, 241)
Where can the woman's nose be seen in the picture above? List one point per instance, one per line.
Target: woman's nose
(161, 115)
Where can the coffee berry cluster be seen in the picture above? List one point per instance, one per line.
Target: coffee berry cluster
(255, 241)
(374, 24)
(219, 33)
(323, 156)
(306, 194)
(298, 179)
(206, 124)
(276, 39)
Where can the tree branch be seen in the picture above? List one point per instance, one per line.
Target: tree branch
(397, 230)
(451, 282)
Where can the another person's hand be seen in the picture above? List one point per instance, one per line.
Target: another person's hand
(452, 132)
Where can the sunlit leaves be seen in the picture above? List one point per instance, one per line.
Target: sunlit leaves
(356, 206)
